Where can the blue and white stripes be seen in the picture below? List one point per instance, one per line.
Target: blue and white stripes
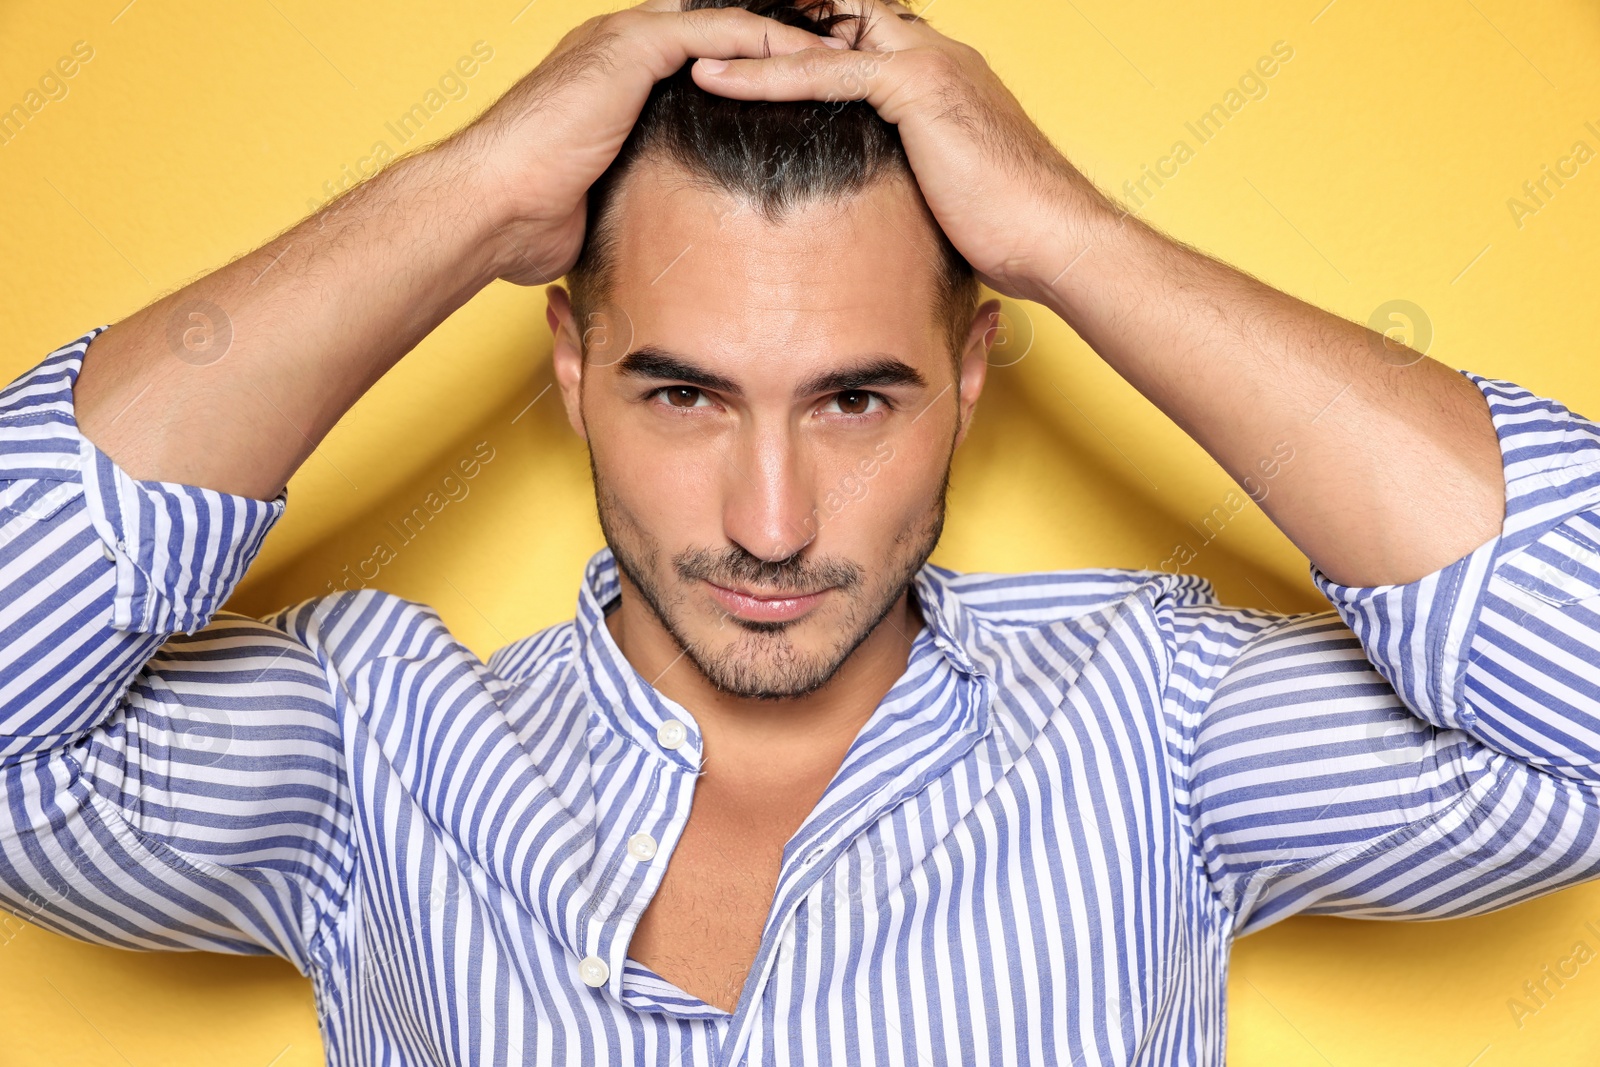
(1038, 850)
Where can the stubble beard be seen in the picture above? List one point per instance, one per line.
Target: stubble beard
(763, 662)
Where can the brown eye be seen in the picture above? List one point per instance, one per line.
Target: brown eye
(854, 403)
(682, 396)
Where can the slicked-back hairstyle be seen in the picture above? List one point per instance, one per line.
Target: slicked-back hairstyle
(772, 156)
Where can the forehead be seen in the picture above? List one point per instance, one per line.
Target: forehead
(699, 271)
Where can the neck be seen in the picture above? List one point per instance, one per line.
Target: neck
(769, 743)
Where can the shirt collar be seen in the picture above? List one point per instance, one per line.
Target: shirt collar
(630, 704)
(936, 712)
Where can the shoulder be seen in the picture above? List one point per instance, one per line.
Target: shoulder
(530, 657)
(1041, 598)
(353, 632)
(365, 624)
(1173, 622)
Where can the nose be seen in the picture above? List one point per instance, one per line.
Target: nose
(769, 507)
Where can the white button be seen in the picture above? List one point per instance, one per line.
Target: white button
(672, 733)
(593, 971)
(105, 550)
(642, 846)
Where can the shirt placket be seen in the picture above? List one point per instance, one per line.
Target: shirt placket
(957, 724)
(634, 841)
(637, 831)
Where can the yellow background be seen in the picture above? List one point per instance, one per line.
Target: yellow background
(1377, 167)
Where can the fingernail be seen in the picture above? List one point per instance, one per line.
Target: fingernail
(834, 42)
(713, 66)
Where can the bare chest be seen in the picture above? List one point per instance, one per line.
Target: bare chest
(702, 930)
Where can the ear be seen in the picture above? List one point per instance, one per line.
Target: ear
(975, 362)
(567, 354)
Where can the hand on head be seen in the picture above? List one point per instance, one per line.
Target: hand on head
(995, 184)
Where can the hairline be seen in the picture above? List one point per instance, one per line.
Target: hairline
(592, 277)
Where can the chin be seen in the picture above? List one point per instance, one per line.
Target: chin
(763, 675)
(786, 660)
(757, 660)
(766, 659)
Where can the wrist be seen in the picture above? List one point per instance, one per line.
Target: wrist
(521, 234)
(1088, 232)
(1066, 222)
(454, 186)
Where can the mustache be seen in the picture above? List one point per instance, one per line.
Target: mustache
(734, 567)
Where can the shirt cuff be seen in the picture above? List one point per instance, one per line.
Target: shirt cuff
(1420, 636)
(179, 550)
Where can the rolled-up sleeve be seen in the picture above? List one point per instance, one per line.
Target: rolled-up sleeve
(1504, 644)
(99, 567)
(171, 775)
(1424, 750)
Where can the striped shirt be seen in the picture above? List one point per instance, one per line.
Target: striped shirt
(1038, 850)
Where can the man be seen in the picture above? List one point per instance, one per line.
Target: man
(781, 792)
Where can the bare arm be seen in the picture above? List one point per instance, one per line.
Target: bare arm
(1397, 467)
(230, 382)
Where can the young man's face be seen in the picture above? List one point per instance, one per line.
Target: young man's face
(771, 411)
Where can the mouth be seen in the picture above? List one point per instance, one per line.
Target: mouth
(754, 607)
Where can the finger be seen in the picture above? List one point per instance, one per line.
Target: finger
(812, 74)
(721, 33)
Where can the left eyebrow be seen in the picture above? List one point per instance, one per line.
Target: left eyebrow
(877, 373)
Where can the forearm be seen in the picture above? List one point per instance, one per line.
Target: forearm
(1397, 470)
(315, 316)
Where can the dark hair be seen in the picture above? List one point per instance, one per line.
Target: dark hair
(773, 155)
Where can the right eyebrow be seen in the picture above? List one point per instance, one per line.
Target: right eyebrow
(651, 361)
